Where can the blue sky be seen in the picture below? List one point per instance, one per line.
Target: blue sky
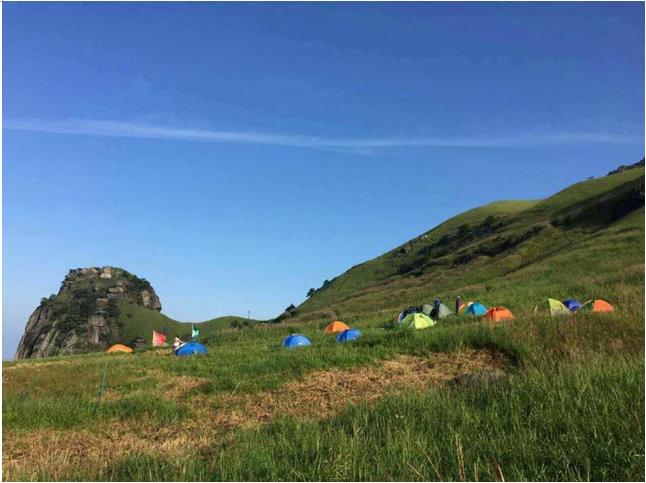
(236, 155)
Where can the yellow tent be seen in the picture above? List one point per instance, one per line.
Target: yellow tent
(555, 307)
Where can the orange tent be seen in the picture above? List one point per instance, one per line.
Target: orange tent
(499, 313)
(336, 326)
(119, 348)
(597, 305)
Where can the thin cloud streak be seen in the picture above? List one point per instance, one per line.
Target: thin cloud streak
(150, 131)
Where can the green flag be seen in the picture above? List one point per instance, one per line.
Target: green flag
(195, 333)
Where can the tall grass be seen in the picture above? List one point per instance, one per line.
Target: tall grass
(25, 413)
(518, 429)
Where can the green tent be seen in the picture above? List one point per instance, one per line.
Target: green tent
(442, 312)
(417, 321)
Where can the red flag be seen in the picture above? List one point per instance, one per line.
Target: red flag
(158, 338)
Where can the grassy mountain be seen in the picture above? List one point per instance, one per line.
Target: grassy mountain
(481, 254)
(534, 398)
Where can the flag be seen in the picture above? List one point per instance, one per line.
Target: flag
(195, 333)
(159, 339)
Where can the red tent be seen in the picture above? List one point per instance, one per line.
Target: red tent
(159, 339)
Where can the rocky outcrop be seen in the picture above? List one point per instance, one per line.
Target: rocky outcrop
(84, 315)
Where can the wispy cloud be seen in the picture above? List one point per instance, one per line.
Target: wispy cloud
(150, 131)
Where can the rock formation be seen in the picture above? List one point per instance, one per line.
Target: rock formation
(83, 316)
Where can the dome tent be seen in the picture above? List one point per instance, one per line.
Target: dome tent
(426, 309)
(498, 314)
(119, 348)
(442, 312)
(476, 309)
(553, 307)
(190, 349)
(464, 306)
(348, 335)
(336, 327)
(572, 305)
(597, 305)
(296, 340)
(417, 321)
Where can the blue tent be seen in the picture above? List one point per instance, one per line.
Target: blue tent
(349, 334)
(296, 340)
(476, 309)
(572, 304)
(190, 349)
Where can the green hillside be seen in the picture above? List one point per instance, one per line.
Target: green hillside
(485, 249)
(140, 322)
(533, 398)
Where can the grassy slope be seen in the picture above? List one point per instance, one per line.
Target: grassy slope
(386, 266)
(378, 286)
(572, 407)
(140, 322)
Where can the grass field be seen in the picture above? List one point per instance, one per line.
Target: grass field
(535, 398)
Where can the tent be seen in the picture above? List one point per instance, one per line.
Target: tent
(427, 309)
(336, 327)
(597, 305)
(159, 339)
(417, 321)
(464, 306)
(499, 313)
(476, 309)
(119, 348)
(442, 312)
(295, 340)
(572, 305)
(190, 349)
(348, 335)
(555, 308)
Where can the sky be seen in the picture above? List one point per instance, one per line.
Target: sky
(236, 155)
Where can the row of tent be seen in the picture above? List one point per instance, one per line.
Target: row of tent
(182, 349)
(428, 315)
(414, 318)
(187, 349)
(569, 306)
(344, 334)
(420, 320)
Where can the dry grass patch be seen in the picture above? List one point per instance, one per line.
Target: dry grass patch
(57, 453)
(324, 393)
(321, 394)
